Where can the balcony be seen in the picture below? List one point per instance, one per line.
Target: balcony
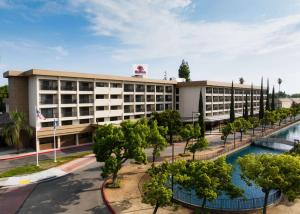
(68, 86)
(139, 88)
(86, 86)
(128, 109)
(169, 89)
(140, 108)
(159, 89)
(48, 99)
(128, 98)
(150, 108)
(159, 107)
(86, 112)
(85, 99)
(150, 98)
(150, 88)
(139, 98)
(159, 98)
(128, 88)
(168, 98)
(49, 112)
(69, 113)
(69, 101)
(48, 85)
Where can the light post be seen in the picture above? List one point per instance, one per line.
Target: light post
(194, 113)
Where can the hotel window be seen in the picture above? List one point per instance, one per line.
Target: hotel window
(47, 124)
(100, 119)
(208, 90)
(128, 88)
(101, 96)
(116, 85)
(216, 90)
(169, 89)
(177, 98)
(86, 86)
(114, 118)
(102, 84)
(140, 88)
(66, 122)
(68, 85)
(177, 106)
(115, 107)
(177, 90)
(84, 121)
(48, 84)
(114, 96)
(101, 108)
(159, 89)
(150, 88)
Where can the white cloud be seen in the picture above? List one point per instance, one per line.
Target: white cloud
(156, 29)
(4, 4)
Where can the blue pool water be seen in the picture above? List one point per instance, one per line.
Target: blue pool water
(253, 196)
(250, 191)
(290, 134)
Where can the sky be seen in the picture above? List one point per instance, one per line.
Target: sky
(222, 40)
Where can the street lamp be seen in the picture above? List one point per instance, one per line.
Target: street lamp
(195, 113)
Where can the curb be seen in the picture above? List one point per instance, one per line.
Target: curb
(107, 204)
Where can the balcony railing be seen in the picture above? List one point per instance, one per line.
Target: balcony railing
(47, 87)
(69, 114)
(86, 113)
(86, 88)
(68, 87)
(69, 101)
(86, 100)
(48, 101)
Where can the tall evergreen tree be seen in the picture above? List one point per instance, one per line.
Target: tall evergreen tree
(251, 102)
(246, 116)
(201, 115)
(261, 101)
(184, 71)
(268, 97)
(273, 99)
(232, 114)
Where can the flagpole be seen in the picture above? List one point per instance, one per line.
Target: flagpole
(54, 133)
(36, 140)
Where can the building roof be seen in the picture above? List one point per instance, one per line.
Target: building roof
(39, 72)
(289, 100)
(205, 83)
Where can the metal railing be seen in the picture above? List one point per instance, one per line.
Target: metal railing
(190, 198)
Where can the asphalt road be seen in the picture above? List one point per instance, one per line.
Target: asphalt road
(78, 192)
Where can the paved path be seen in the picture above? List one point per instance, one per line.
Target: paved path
(78, 192)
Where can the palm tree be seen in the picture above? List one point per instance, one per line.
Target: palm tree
(11, 131)
(279, 83)
(241, 80)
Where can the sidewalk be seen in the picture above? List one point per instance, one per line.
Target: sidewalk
(49, 174)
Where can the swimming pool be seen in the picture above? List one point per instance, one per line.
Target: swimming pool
(290, 133)
(253, 196)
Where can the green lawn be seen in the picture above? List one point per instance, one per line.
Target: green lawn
(45, 164)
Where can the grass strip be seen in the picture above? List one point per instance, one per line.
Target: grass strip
(44, 164)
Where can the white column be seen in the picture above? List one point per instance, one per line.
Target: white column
(77, 139)
(58, 142)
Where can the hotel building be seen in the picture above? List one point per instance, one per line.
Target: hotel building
(79, 101)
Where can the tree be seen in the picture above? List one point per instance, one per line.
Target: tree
(209, 179)
(171, 120)
(226, 131)
(155, 191)
(261, 101)
(251, 102)
(156, 140)
(232, 114)
(201, 115)
(115, 145)
(254, 123)
(200, 145)
(272, 172)
(241, 125)
(3, 95)
(268, 97)
(11, 132)
(273, 100)
(295, 109)
(241, 80)
(246, 116)
(184, 71)
(189, 132)
(279, 81)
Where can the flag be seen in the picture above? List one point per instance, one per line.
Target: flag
(39, 115)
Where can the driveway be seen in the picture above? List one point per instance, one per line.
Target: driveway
(78, 192)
